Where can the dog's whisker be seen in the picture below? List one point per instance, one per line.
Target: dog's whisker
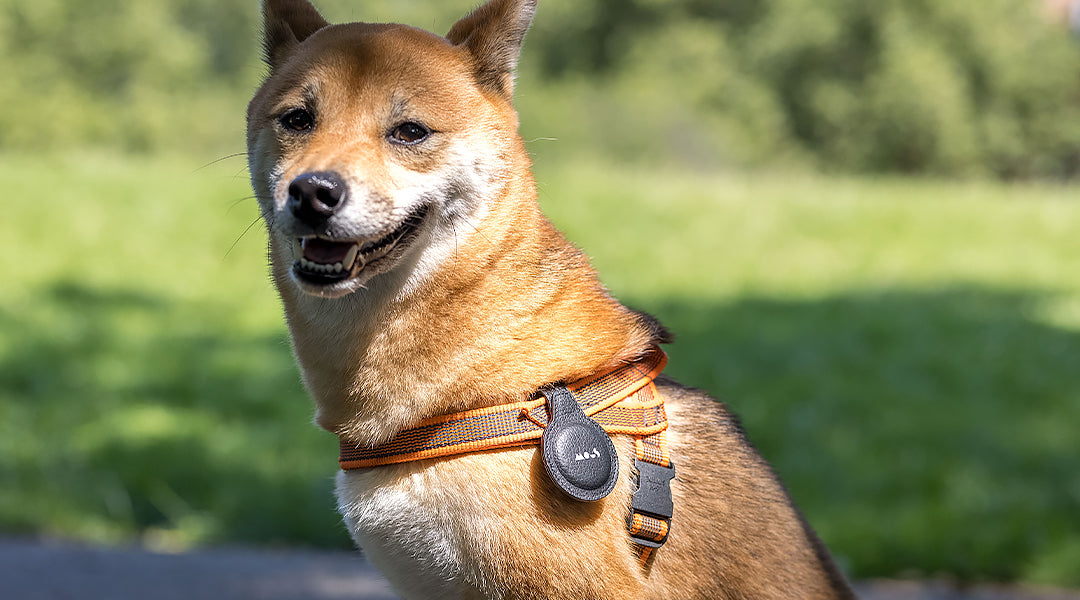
(233, 204)
(241, 236)
(457, 240)
(218, 160)
(475, 227)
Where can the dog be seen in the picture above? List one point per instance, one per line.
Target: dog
(423, 286)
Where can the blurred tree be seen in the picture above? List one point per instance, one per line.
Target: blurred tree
(938, 86)
(923, 86)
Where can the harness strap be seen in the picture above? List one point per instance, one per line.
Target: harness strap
(651, 506)
(522, 423)
(623, 401)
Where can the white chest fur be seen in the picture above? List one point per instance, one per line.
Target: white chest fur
(413, 534)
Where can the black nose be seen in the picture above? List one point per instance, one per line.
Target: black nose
(315, 197)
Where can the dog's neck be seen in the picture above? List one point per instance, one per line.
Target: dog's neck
(515, 307)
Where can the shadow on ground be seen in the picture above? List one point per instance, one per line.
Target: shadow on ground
(129, 415)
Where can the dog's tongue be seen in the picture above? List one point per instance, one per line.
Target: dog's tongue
(325, 252)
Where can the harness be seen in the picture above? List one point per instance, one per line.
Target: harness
(622, 401)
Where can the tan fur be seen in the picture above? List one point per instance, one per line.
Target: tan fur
(484, 306)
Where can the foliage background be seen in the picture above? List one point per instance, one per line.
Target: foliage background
(855, 215)
(917, 86)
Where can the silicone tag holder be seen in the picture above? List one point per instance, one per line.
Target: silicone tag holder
(579, 456)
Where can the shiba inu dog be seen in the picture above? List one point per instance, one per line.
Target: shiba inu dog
(423, 289)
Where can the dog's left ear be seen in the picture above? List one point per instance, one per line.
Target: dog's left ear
(493, 35)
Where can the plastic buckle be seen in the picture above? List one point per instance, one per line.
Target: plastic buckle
(653, 496)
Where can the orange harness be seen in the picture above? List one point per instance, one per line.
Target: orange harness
(623, 401)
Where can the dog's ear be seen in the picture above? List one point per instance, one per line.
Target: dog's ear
(286, 23)
(493, 35)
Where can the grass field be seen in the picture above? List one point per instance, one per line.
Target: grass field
(904, 351)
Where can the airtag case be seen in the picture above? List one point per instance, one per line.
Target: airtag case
(578, 454)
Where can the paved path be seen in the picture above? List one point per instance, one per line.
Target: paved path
(31, 571)
(51, 571)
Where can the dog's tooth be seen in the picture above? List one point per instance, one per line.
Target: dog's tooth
(298, 250)
(350, 258)
(337, 267)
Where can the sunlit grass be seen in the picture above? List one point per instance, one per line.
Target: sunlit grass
(664, 234)
(903, 351)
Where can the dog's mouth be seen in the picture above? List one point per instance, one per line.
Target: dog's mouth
(320, 261)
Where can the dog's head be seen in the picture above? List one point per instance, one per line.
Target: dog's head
(372, 146)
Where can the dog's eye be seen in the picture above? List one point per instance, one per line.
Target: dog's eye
(297, 119)
(409, 133)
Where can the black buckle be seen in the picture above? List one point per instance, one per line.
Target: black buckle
(652, 496)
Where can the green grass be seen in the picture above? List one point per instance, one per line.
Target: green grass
(146, 386)
(903, 351)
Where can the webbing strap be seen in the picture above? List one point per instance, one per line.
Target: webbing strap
(522, 423)
(651, 506)
(624, 401)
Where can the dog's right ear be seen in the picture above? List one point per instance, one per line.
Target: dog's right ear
(286, 23)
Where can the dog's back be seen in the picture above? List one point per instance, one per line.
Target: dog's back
(420, 279)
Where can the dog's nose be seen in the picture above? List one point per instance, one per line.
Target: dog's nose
(315, 197)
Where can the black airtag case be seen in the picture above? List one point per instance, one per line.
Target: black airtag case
(578, 454)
